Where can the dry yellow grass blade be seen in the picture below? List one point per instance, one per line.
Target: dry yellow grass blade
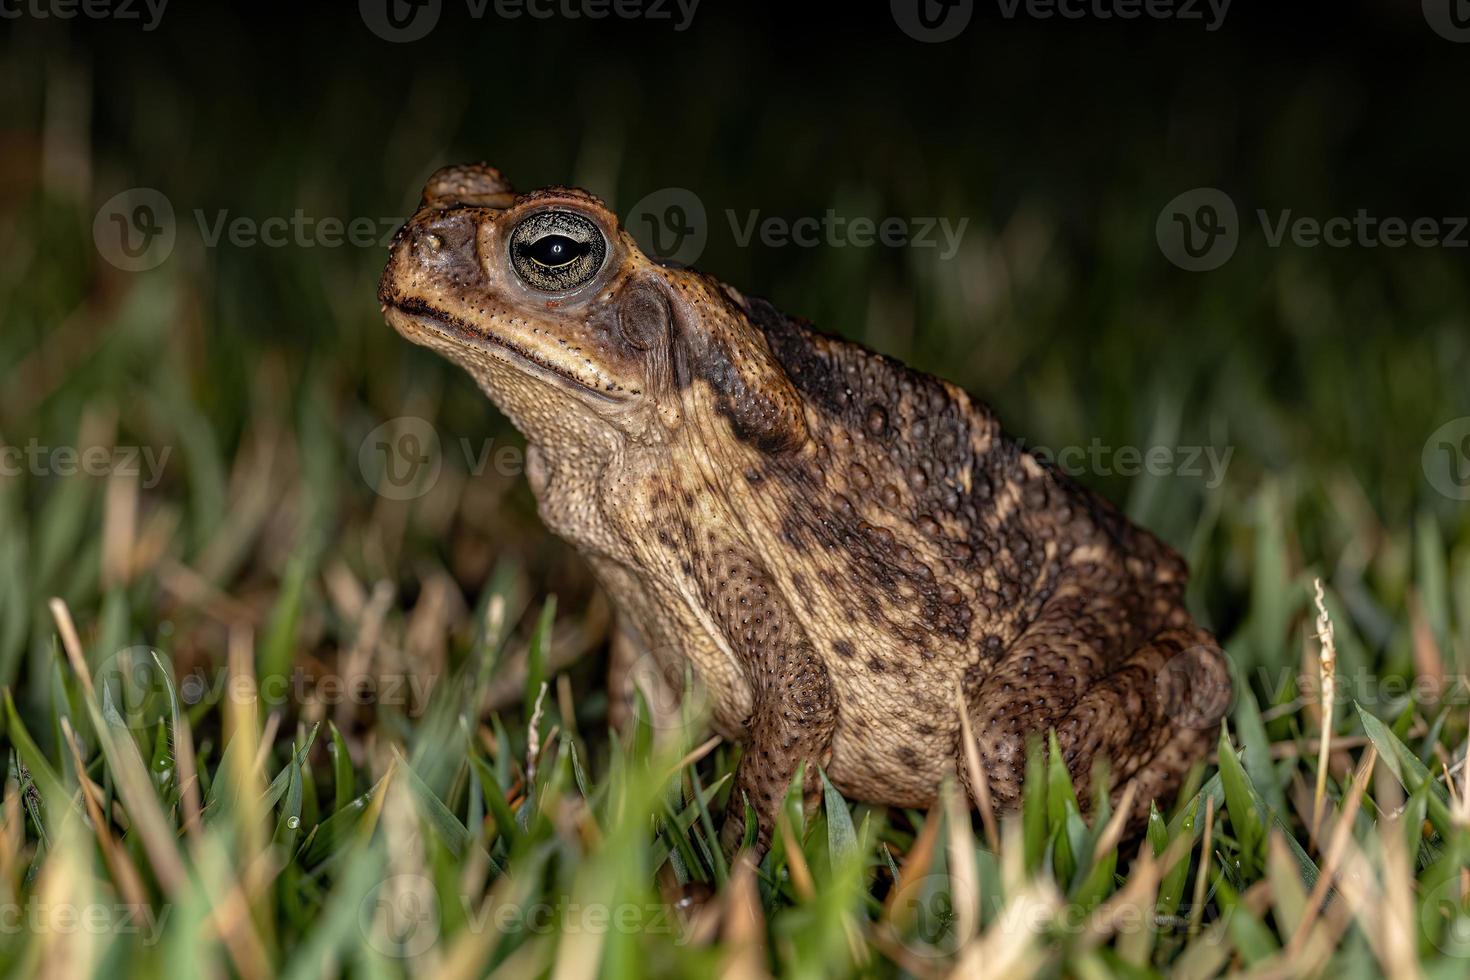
(916, 865)
(229, 910)
(1138, 897)
(1208, 955)
(1107, 841)
(979, 782)
(1327, 690)
(964, 875)
(1428, 659)
(187, 763)
(1289, 901)
(744, 930)
(245, 745)
(12, 843)
(1012, 947)
(533, 736)
(134, 785)
(66, 890)
(1396, 916)
(1337, 846)
(119, 529)
(1201, 880)
(801, 875)
(1368, 899)
(124, 875)
(466, 957)
(566, 704)
(697, 753)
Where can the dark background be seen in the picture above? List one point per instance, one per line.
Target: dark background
(1323, 370)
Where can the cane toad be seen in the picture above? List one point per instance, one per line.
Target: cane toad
(848, 552)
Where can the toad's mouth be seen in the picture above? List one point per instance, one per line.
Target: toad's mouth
(418, 315)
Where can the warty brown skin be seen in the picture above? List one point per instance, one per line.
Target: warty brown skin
(848, 553)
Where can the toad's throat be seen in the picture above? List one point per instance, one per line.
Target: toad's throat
(461, 332)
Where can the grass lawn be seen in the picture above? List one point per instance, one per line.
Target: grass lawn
(276, 706)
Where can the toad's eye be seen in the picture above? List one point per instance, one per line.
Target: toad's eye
(557, 251)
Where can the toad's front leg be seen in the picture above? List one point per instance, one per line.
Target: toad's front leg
(793, 708)
(791, 724)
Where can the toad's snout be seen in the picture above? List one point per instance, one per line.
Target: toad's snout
(434, 250)
(444, 241)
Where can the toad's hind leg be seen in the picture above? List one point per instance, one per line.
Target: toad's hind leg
(1152, 718)
(1150, 712)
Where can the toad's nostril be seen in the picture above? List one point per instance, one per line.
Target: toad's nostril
(444, 234)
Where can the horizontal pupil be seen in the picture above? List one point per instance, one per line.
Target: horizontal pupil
(554, 250)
